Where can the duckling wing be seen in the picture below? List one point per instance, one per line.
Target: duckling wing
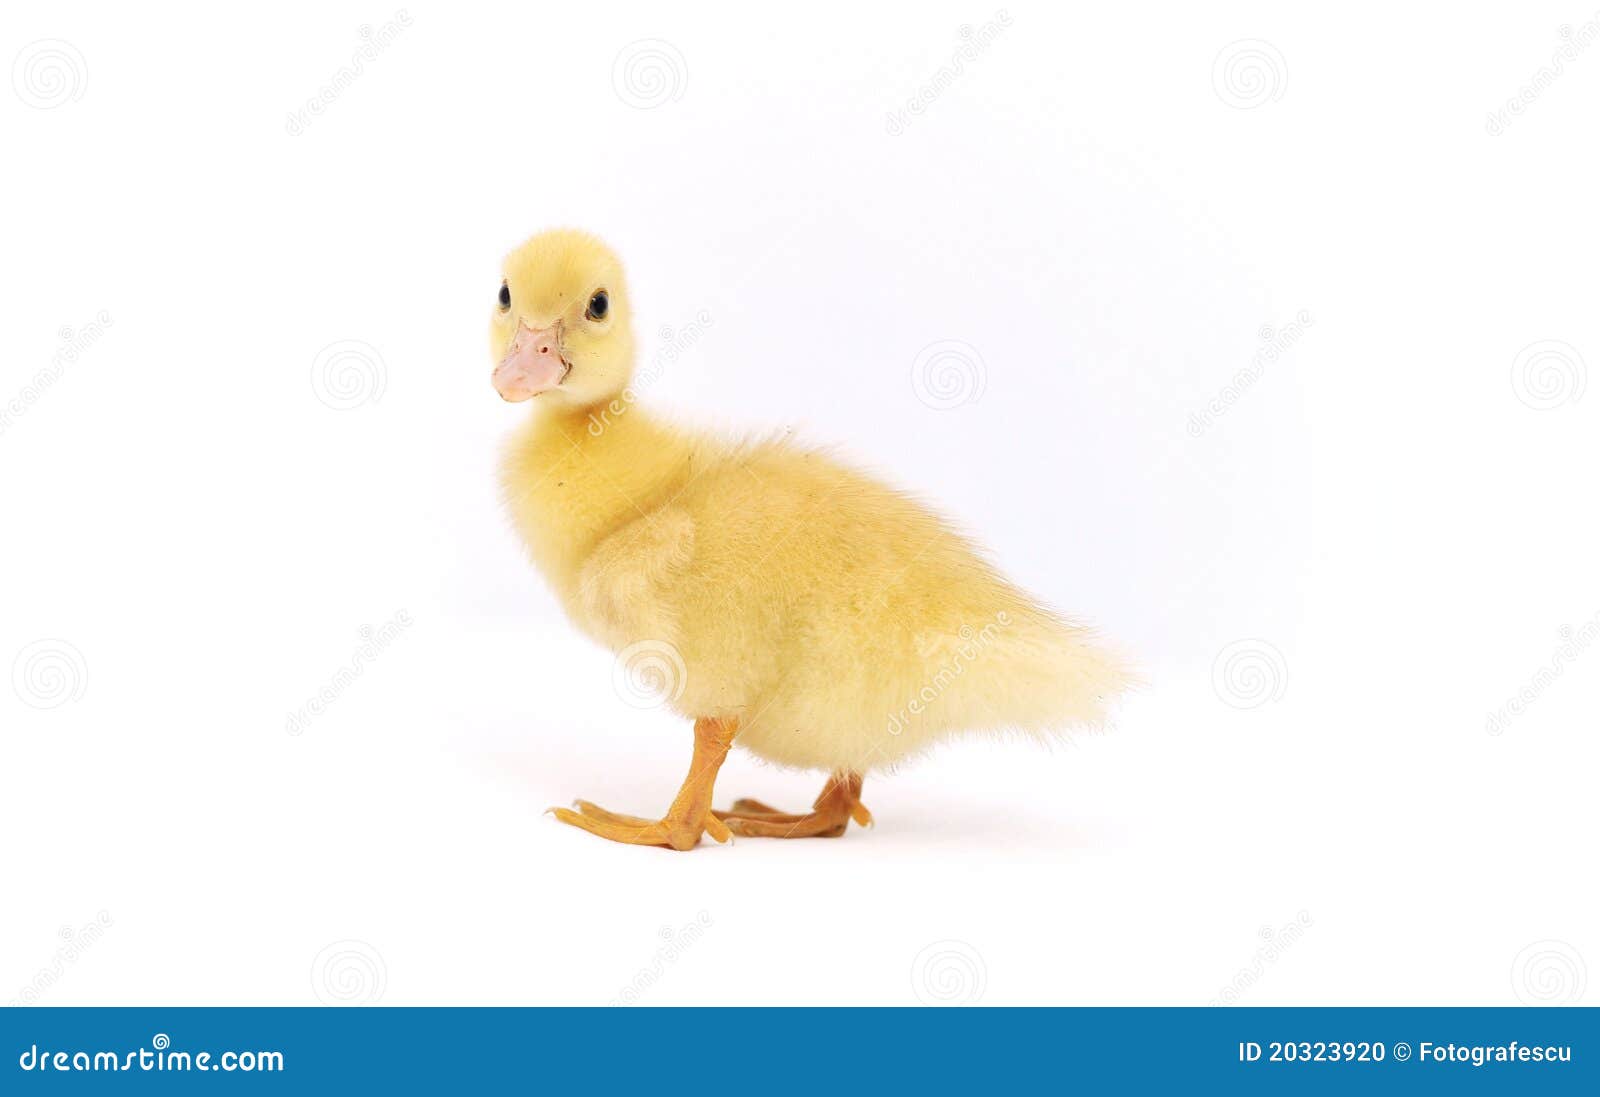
(624, 585)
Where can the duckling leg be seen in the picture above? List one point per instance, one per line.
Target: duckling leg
(839, 803)
(690, 813)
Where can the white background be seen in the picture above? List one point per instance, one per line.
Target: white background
(1372, 550)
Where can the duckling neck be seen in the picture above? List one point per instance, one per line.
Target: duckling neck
(572, 476)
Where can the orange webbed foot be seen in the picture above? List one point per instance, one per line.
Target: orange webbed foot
(634, 831)
(689, 816)
(829, 817)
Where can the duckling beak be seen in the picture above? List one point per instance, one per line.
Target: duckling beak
(534, 364)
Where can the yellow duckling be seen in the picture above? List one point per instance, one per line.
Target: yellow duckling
(806, 612)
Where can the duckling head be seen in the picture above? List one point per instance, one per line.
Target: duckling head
(561, 327)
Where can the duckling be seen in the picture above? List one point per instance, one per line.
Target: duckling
(801, 609)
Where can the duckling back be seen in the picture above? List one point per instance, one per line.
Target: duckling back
(849, 627)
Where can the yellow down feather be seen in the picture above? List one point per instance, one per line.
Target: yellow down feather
(844, 624)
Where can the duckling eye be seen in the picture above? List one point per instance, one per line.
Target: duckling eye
(505, 297)
(599, 305)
